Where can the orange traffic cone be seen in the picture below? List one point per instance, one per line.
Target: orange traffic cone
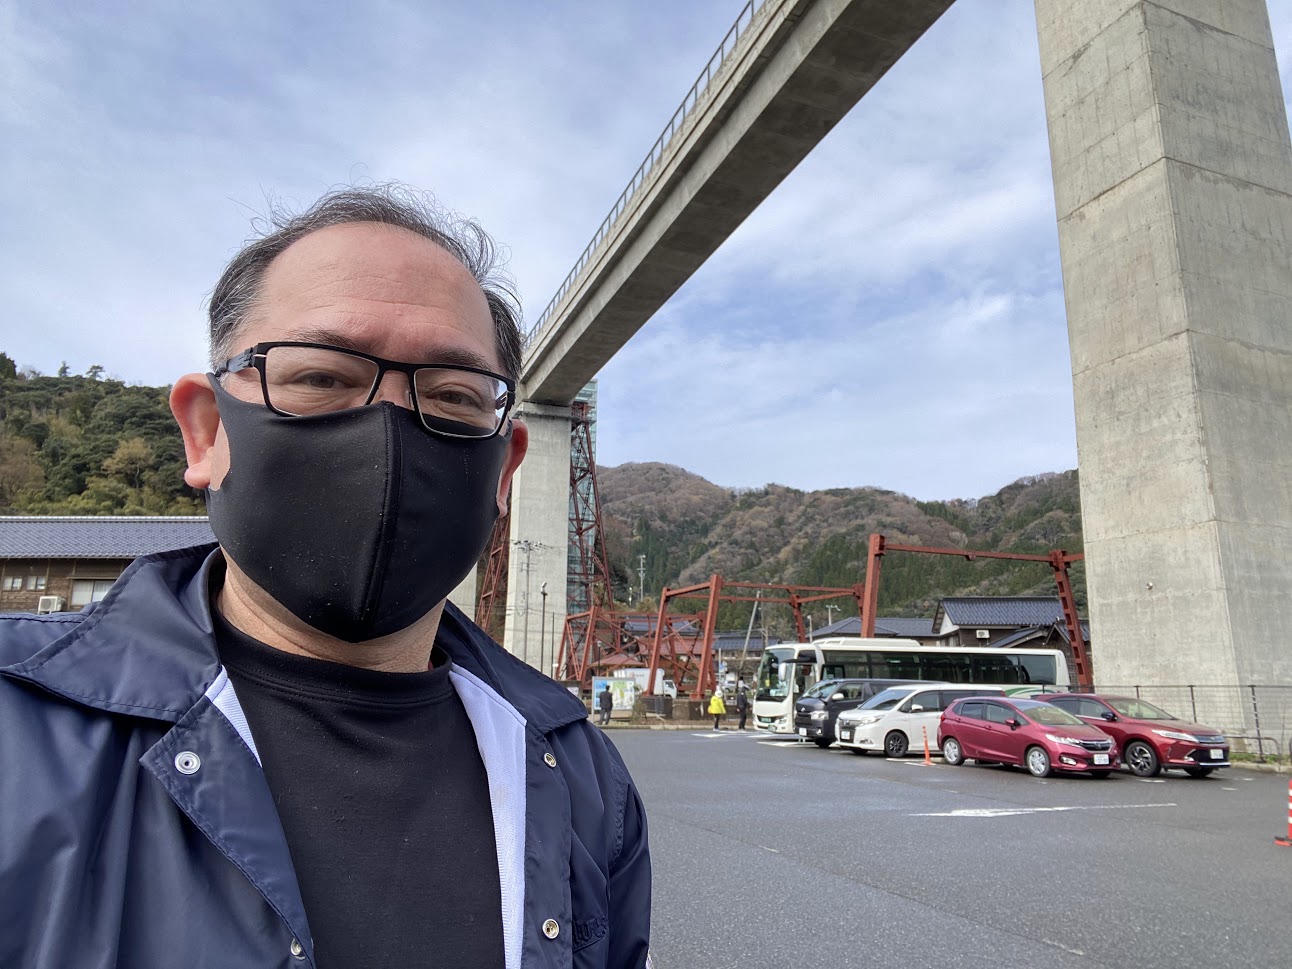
(928, 760)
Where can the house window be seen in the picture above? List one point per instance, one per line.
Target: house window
(85, 591)
(35, 583)
(13, 583)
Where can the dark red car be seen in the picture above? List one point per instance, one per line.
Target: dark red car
(1149, 737)
(1029, 733)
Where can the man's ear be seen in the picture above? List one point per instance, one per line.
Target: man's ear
(517, 445)
(192, 401)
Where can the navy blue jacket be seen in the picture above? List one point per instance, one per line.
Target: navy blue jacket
(137, 830)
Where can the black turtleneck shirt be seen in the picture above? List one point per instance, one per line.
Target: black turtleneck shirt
(384, 801)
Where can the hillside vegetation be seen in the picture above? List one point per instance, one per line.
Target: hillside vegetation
(83, 445)
(689, 528)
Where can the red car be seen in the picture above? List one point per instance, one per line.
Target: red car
(1150, 738)
(1029, 733)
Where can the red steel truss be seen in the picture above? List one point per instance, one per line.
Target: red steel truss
(689, 659)
(589, 576)
(491, 601)
(1058, 560)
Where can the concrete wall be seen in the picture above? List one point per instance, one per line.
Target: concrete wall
(1173, 174)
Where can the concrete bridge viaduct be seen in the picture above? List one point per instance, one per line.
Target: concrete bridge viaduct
(1173, 187)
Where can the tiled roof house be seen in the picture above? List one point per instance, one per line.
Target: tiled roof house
(59, 563)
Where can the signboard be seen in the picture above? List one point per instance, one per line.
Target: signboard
(623, 690)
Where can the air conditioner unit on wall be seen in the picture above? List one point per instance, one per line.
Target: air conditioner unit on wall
(982, 633)
(48, 604)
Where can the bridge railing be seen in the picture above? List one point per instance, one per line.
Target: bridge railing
(653, 157)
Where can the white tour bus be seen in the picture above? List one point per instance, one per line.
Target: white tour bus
(788, 669)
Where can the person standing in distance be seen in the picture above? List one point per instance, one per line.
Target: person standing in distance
(605, 704)
(742, 704)
(717, 709)
(289, 749)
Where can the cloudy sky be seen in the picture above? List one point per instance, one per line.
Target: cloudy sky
(891, 316)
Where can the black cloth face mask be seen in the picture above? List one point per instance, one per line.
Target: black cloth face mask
(359, 521)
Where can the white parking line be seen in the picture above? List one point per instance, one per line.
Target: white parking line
(1010, 812)
(1060, 945)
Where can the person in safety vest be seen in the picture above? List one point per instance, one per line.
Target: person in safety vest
(718, 709)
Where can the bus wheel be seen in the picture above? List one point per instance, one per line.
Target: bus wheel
(896, 744)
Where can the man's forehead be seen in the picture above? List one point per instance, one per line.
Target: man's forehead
(368, 248)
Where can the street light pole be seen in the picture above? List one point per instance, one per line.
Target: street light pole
(829, 613)
(809, 619)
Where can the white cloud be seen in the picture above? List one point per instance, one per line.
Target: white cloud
(892, 315)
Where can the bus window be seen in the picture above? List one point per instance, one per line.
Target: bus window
(902, 666)
(850, 665)
(1038, 669)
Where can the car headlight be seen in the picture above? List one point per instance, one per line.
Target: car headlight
(868, 718)
(1188, 738)
(1058, 739)
(820, 715)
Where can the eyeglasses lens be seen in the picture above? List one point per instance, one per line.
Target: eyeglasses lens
(310, 380)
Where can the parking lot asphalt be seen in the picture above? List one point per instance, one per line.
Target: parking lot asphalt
(775, 853)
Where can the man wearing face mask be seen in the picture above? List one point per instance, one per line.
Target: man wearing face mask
(290, 749)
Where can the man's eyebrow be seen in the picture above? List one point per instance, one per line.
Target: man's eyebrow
(453, 356)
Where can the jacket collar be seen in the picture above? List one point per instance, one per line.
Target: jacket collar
(148, 649)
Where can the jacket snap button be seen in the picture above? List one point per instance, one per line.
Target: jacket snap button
(550, 928)
(187, 762)
(298, 950)
(549, 759)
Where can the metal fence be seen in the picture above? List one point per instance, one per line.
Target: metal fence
(693, 97)
(1256, 719)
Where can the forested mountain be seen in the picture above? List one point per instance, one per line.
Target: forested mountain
(84, 445)
(689, 528)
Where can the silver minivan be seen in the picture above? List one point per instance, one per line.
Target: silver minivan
(902, 717)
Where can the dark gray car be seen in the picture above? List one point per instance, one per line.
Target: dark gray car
(817, 709)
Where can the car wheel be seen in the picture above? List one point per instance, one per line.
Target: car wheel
(1198, 771)
(1142, 759)
(1100, 775)
(1037, 761)
(952, 753)
(896, 744)
(822, 742)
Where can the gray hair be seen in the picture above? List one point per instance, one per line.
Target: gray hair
(238, 291)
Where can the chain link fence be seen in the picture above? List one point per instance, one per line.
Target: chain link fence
(1256, 719)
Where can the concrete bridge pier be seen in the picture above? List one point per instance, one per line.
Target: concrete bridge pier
(540, 529)
(1173, 185)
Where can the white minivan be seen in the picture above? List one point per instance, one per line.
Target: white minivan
(897, 720)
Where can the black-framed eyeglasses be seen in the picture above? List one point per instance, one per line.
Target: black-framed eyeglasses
(305, 379)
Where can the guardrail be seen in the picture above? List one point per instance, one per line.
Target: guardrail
(653, 157)
(1256, 719)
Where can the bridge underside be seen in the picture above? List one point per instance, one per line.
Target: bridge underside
(1173, 182)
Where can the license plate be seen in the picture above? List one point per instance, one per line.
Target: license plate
(846, 735)
(1101, 759)
(1217, 755)
(802, 731)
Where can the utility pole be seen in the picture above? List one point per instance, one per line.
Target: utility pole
(542, 630)
(526, 547)
(829, 613)
(641, 575)
(809, 619)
